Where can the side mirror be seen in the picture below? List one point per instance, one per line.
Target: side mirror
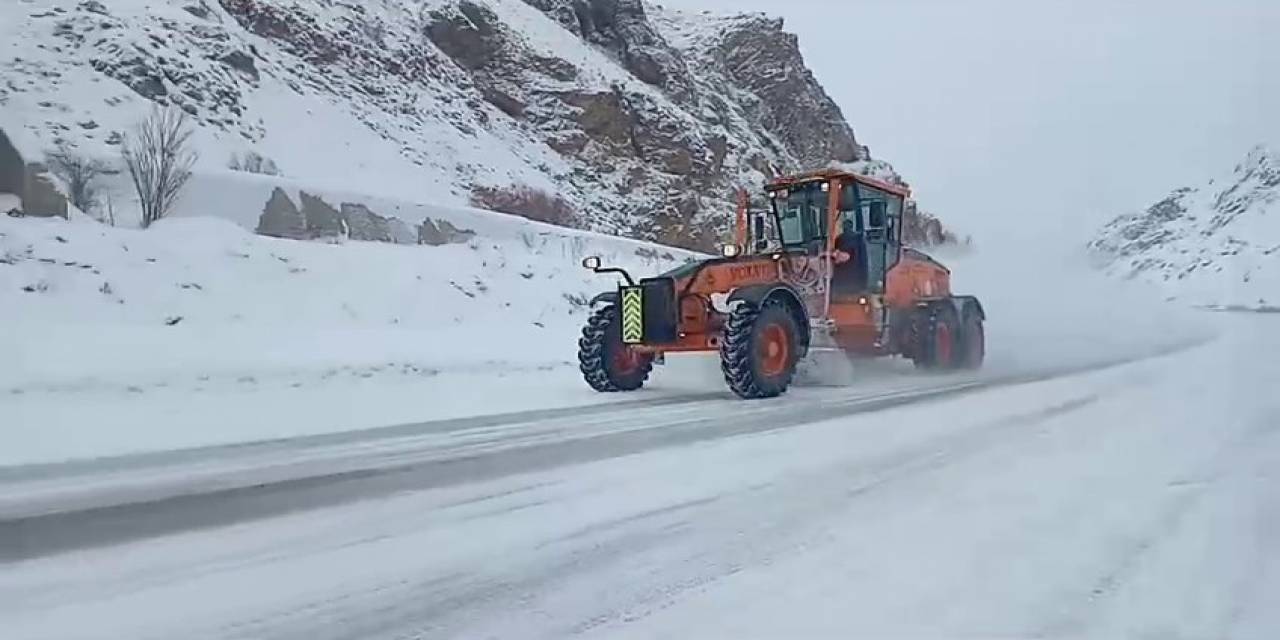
(591, 262)
(757, 232)
(729, 250)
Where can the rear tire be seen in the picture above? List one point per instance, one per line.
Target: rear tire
(938, 334)
(606, 363)
(973, 340)
(760, 349)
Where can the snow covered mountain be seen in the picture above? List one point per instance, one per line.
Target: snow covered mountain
(643, 120)
(1217, 245)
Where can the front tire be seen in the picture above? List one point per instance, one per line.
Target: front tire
(608, 365)
(760, 349)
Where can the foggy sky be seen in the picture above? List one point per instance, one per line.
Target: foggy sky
(1056, 114)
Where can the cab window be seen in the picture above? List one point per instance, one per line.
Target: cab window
(850, 218)
(801, 215)
(879, 213)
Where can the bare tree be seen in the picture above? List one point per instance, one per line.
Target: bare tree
(80, 175)
(110, 216)
(159, 160)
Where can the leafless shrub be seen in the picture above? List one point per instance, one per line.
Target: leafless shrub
(253, 162)
(159, 159)
(80, 174)
(577, 300)
(577, 248)
(109, 216)
(526, 202)
(654, 254)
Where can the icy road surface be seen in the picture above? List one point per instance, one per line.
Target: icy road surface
(1133, 501)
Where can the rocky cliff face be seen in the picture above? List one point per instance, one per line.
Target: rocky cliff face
(668, 143)
(1217, 244)
(644, 120)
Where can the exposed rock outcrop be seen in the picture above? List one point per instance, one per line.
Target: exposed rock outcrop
(281, 218)
(437, 233)
(12, 168)
(624, 29)
(363, 224)
(29, 183)
(42, 197)
(318, 220)
(323, 221)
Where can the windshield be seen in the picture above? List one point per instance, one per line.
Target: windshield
(800, 215)
(877, 213)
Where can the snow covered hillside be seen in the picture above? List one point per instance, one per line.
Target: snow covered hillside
(197, 330)
(194, 297)
(1217, 244)
(644, 120)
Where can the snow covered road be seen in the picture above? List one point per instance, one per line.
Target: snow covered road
(47, 508)
(1137, 500)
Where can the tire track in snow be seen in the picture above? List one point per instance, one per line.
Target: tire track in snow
(434, 608)
(144, 460)
(1195, 492)
(45, 534)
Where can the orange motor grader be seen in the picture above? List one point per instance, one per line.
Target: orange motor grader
(823, 266)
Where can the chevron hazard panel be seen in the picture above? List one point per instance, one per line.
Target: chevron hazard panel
(632, 315)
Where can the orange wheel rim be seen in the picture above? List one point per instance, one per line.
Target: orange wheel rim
(775, 350)
(625, 359)
(944, 343)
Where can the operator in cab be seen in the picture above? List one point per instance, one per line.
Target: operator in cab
(850, 259)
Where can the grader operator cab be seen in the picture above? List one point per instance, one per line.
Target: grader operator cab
(823, 265)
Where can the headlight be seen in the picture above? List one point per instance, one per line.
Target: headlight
(729, 250)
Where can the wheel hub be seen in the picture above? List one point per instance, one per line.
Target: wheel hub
(944, 345)
(775, 350)
(625, 359)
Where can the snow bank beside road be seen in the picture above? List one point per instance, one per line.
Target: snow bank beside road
(200, 297)
(119, 340)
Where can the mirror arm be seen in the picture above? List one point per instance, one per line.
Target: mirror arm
(617, 270)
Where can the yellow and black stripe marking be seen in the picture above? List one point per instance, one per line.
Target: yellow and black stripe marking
(632, 315)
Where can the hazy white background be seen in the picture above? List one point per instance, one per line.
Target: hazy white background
(1065, 112)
